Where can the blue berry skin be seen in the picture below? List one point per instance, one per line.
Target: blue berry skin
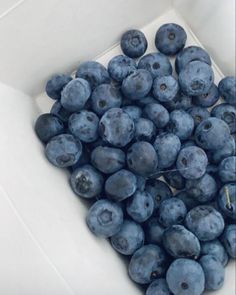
(129, 239)
(147, 264)
(188, 143)
(159, 191)
(181, 243)
(142, 158)
(181, 124)
(227, 170)
(63, 150)
(86, 182)
(133, 111)
(141, 183)
(133, 43)
(108, 160)
(172, 211)
(179, 102)
(75, 94)
(94, 72)
(216, 249)
(209, 99)
(156, 63)
(196, 78)
(192, 162)
(188, 54)
(120, 66)
(205, 222)
(121, 185)
(229, 240)
(198, 114)
(105, 218)
(83, 160)
(227, 113)
(47, 126)
(145, 130)
(203, 189)
(170, 39)
(137, 85)
(145, 101)
(189, 202)
(140, 207)
(228, 205)
(159, 287)
(165, 88)
(58, 110)
(116, 127)
(105, 97)
(84, 126)
(154, 231)
(185, 277)
(174, 178)
(157, 114)
(212, 134)
(214, 272)
(56, 84)
(227, 88)
(167, 146)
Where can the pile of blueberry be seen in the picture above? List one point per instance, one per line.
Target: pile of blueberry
(118, 130)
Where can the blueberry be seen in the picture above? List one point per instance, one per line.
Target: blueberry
(191, 53)
(94, 72)
(141, 183)
(86, 182)
(56, 84)
(198, 114)
(133, 43)
(196, 78)
(212, 134)
(159, 191)
(157, 114)
(170, 38)
(227, 88)
(75, 94)
(174, 178)
(142, 158)
(84, 125)
(140, 207)
(120, 66)
(105, 218)
(180, 101)
(181, 243)
(227, 200)
(203, 189)
(214, 272)
(145, 130)
(188, 143)
(185, 276)
(209, 99)
(192, 162)
(167, 146)
(58, 110)
(108, 160)
(84, 159)
(172, 211)
(159, 287)
(147, 264)
(205, 222)
(137, 85)
(121, 185)
(63, 150)
(133, 111)
(189, 202)
(165, 88)
(129, 239)
(229, 240)
(146, 100)
(156, 63)
(116, 127)
(154, 231)
(216, 249)
(47, 126)
(227, 113)
(227, 170)
(104, 97)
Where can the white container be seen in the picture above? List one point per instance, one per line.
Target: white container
(45, 246)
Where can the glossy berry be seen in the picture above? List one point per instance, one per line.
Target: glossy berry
(157, 114)
(133, 43)
(159, 287)
(134, 112)
(229, 240)
(227, 88)
(216, 249)
(209, 99)
(179, 102)
(227, 170)
(120, 66)
(154, 231)
(56, 84)
(145, 130)
(58, 110)
(198, 114)
(227, 113)
(165, 88)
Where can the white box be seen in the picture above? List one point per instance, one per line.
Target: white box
(45, 246)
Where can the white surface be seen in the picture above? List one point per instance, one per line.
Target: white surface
(52, 227)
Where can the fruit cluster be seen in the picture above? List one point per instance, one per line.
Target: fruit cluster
(118, 130)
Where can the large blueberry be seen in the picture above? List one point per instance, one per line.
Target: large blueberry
(229, 240)
(133, 43)
(216, 249)
(145, 130)
(56, 84)
(165, 88)
(179, 102)
(134, 112)
(154, 231)
(157, 114)
(209, 99)
(227, 88)
(173, 177)
(227, 200)
(227, 170)
(227, 113)
(120, 66)
(58, 110)
(159, 287)
(198, 114)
